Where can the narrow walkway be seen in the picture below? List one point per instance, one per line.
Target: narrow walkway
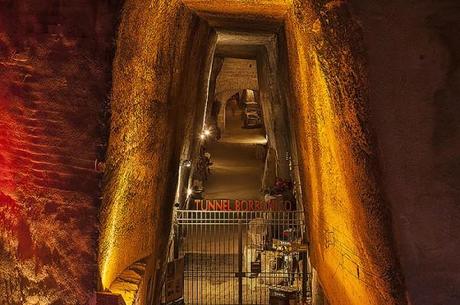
(237, 170)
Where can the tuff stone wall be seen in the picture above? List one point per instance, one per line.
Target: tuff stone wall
(54, 83)
(349, 221)
(376, 86)
(158, 78)
(413, 55)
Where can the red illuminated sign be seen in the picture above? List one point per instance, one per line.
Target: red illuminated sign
(241, 205)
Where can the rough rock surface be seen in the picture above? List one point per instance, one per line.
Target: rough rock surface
(385, 198)
(55, 77)
(348, 220)
(157, 76)
(413, 52)
(236, 75)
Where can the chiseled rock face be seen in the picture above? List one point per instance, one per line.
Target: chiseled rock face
(55, 77)
(388, 197)
(413, 52)
(158, 87)
(349, 226)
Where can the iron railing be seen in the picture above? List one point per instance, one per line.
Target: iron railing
(240, 257)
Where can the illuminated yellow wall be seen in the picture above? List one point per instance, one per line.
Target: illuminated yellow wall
(153, 105)
(348, 220)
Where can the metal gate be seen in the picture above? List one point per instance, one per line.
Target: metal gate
(242, 257)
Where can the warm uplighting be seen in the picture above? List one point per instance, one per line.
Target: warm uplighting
(205, 133)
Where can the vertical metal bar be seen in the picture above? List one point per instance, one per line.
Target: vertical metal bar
(196, 254)
(219, 260)
(229, 262)
(229, 246)
(240, 261)
(206, 278)
(191, 251)
(238, 256)
(203, 259)
(213, 253)
(199, 295)
(234, 263)
(200, 276)
(218, 263)
(209, 254)
(191, 259)
(187, 252)
(304, 276)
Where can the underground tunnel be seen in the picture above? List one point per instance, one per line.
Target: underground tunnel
(229, 152)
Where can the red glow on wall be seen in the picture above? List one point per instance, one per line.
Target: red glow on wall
(8, 134)
(12, 222)
(9, 212)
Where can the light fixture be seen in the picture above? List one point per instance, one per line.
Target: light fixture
(205, 133)
(186, 163)
(189, 192)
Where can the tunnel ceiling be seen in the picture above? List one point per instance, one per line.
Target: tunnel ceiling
(257, 15)
(236, 75)
(242, 44)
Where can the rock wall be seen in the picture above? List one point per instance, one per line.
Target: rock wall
(55, 79)
(349, 221)
(413, 54)
(356, 65)
(158, 74)
(236, 75)
(376, 90)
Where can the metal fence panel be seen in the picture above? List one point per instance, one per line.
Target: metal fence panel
(236, 257)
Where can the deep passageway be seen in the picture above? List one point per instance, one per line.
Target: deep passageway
(230, 232)
(238, 162)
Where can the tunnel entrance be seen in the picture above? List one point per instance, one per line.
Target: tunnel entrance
(233, 160)
(239, 232)
(238, 243)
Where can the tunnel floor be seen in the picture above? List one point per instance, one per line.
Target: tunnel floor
(238, 163)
